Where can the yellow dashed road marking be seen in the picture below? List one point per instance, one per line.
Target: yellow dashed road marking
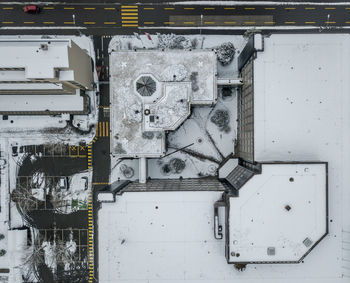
(89, 23)
(310, 8)
(69, 23)
(269, 8)
(330, 8)
(7, 22)
(209, 23)
(109, 23)
(230, 23)
(68, 8)
(188, 8)
(148, 8)
(109, 8)
(209, 8)
(89, 8)
(49, 23)
(8, 8)
(48, 8)
(310, 22)
(289, 23)
(269, 23)
(28, 22)
(127, 25)
(329, 22)
(169, 8)
(229, 8)
(290, 8)
(129, 7)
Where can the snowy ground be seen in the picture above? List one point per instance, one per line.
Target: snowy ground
(209, 143)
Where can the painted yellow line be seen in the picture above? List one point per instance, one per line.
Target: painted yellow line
(290, 8)
(48, 8)
(130, 14)
(148, 23)
(129, 7)
(209, 8)
(89, 8)
(129, 18)
(109, 8)
(169, 8)
(8, 8)
(329, 22)
(103, 124)
(347, 8)
(310, 8)
(269, 23)
(100, 129)
(48, 23)
(148, 8)
(189, 23)
(230, 23)
(209, 23)
(107, 129)
(310, 22)
(249, 23)
(130, 10)
(89, 23)
(7, 22)
(127, 25)
(269, 8)
(68, 8)
(28, 22)
(347, 22)
(68, 23)
(289, 23)
(249, 8)
(169, 23)
(330, 8)
(229, 8)
(188, 8)
(109, 23)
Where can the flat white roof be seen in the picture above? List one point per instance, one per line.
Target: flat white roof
(279, 215)
(27, 54)
(33, 103)
(159, 236)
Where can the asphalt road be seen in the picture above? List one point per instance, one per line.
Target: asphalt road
(109, 18)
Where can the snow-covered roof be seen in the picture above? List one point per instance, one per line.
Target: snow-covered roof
(42, 104)
(151, 92)
(44, 60)
(279, 215)
(159, 236)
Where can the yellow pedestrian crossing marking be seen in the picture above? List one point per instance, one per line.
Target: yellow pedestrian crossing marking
(126, 12)
(90, 235)
(102, 129)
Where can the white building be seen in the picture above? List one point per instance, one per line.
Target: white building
(286, 199)
(41, 76)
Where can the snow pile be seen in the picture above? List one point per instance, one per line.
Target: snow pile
(176, 73)
(173, 41)
(226, 53)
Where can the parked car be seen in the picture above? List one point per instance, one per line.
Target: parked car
(31, 9)
(63, 183)
(15, 151)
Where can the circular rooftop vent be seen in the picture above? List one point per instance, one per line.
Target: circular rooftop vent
(145, 86)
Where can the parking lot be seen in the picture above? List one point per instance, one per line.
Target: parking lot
(56, 150)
